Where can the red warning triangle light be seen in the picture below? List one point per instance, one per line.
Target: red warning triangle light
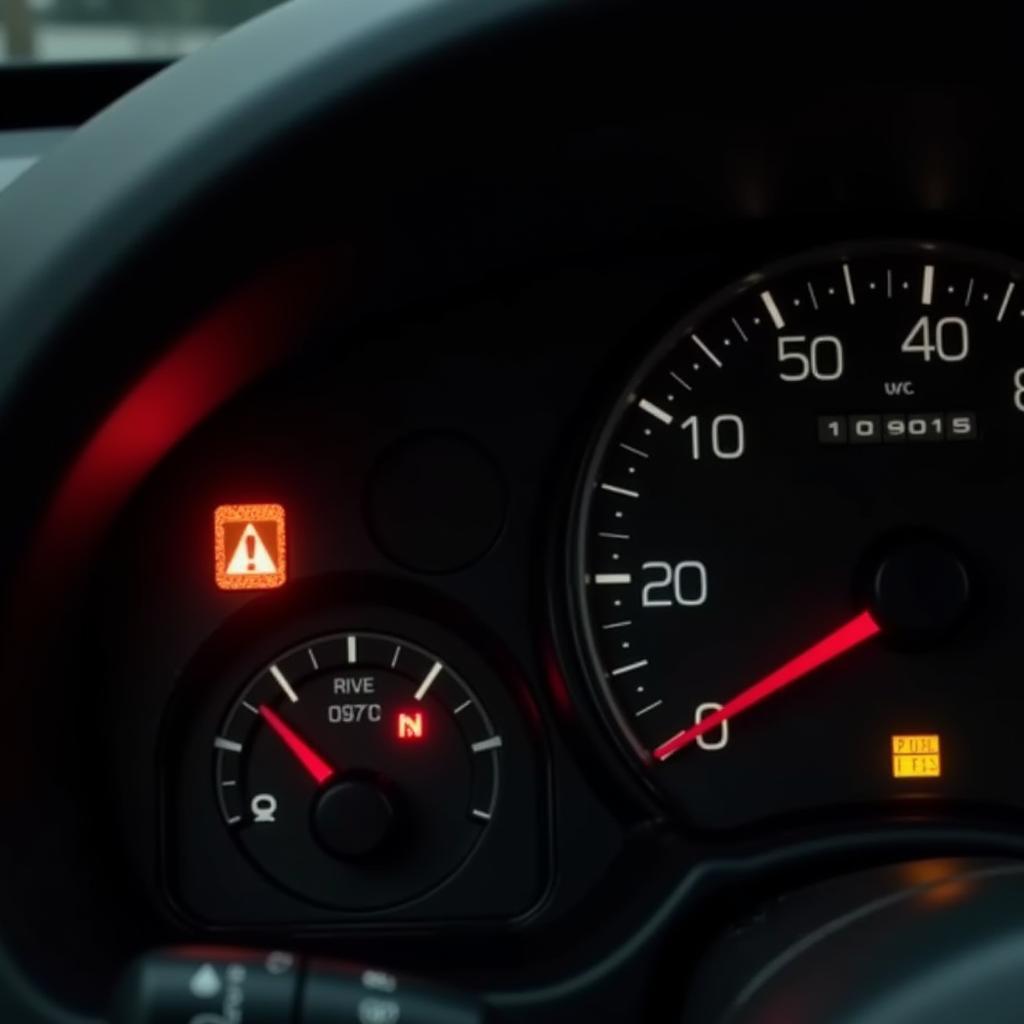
(249, 547)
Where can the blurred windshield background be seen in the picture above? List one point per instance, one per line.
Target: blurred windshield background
(93, 30)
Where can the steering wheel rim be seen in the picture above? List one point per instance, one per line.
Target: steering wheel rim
(69, 224)
(71, 221)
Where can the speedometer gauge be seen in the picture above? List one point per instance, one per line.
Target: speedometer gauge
(798, 561)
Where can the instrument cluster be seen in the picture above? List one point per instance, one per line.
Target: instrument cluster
(434, 630)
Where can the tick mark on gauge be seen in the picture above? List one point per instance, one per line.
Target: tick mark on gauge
(739, 330)
(617, 625)
(284, 684)
(814, 298)
(428, 681)
(620, 490)
(235, 820)
(491, 743)
(229, 745)
(462, 707)
(398, 654)
(352, 650)
(970, 289)
(614, 536)
(849, 284)
(679, 380)
(606, 578)
(621, 671)
(1006, 300)
(927, 285)
(773, 310)
(312, 658)
(250, 707)
(650, 707)
(711, 355)
(634, 451)
(653, 410)
(481, 815)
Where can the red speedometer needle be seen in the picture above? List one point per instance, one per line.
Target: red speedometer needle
(309, 758)
(855, 632)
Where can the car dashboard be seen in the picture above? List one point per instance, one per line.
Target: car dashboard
(514, 536)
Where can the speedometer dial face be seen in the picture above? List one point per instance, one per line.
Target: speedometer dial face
(798, 560)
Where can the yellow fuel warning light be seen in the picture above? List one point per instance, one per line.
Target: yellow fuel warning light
(916, 757)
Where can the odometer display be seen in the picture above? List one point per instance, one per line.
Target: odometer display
(798, 558)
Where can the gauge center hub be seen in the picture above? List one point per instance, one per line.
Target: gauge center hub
(921, 589)
(354, 818)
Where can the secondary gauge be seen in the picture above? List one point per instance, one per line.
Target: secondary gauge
(796, 552)
(357, 770)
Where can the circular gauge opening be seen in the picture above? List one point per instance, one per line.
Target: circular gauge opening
(795, 554)
(357, 770)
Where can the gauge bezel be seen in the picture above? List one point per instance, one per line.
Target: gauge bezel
(577, 524)
(246, 902)
(248, 725)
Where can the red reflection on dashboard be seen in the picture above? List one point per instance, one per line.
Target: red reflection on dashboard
(239, 340)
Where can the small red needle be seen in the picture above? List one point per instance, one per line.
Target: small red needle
(855, 632)
(310, 759)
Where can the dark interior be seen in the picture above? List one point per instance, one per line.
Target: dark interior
(400, 300)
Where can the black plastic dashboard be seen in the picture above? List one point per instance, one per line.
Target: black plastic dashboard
(406, 316)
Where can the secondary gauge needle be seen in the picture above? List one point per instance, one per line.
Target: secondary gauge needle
(855, 632)
(308, 757)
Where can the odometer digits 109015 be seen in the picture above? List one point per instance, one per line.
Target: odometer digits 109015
(798, 561)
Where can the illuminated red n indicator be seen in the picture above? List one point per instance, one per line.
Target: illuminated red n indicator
(410, 726)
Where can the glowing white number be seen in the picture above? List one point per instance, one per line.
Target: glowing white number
(728, 438)
(722, 739)
(350, 714)
(687, 581)
(811, 363)
(951, 342)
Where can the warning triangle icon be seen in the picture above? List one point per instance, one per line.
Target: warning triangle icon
(251, 557)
